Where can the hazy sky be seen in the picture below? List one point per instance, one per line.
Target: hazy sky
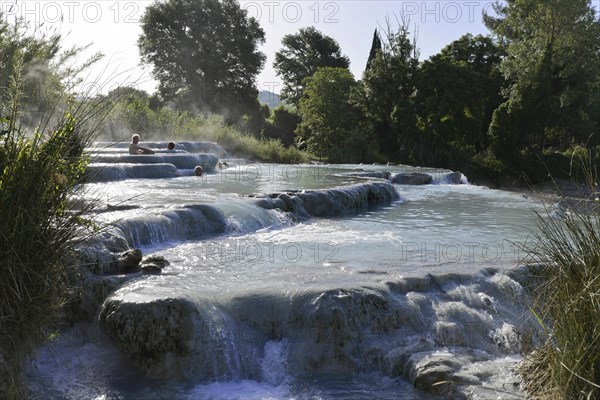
(113, 28)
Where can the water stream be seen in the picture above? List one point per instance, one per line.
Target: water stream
(272, 295)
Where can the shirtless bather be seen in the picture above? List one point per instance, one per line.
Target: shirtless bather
(135, 148)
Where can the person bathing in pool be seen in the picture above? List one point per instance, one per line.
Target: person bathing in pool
(135, 148)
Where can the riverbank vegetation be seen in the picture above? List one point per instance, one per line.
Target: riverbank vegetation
(133, 111)
(505, 107)
(566, 304)
(41, 145)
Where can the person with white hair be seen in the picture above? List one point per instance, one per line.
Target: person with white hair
(135, 148)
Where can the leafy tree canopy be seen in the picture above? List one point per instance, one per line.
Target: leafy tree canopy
(301, 55)
(552, 65)
(458, 91)
(388, 88)
(204, 54)
(479, 53)
(327, 111)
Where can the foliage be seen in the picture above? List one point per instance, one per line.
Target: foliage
(327, 112)
(38, 175)
(388, 88)
(204, 55)
(375, 48)
(567, 366)
(132, 113)
(458, 91)
(266, 150)
(552, 66)
(302, 54)
(281, 125)
(503, 105)
(48, 69)
(39, 169)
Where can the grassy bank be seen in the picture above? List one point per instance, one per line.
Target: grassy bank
(38, 173)
(567, 304)
(41, 143)
(133, 114)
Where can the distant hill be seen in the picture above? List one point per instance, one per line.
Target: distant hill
(269, 98)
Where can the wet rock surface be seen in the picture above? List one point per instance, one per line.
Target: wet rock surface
(160, 261)
(443, 342)
(337, 202)
(103, 265)
(158, 337)
(369, 174)
(153, 265)
(151, 269)
(413, 178)
(454, 178)
(129, 261)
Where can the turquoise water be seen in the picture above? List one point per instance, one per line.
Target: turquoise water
(433, 229)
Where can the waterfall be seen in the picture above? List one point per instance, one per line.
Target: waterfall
(391, 327)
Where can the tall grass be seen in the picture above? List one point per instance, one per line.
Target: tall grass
(567, 304)
(132, 114)
(39, 170)
(263, 149)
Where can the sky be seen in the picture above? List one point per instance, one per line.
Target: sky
(112, 28)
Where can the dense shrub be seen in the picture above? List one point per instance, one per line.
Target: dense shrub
(40, 164)
(566, 305)
(37, 176)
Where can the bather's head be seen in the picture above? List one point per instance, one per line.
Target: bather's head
(198, 171)
(135, 139)
(171, 146)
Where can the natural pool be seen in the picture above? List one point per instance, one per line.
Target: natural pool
(267, 302)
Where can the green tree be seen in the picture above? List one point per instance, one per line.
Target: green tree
(204, 55)
(552, 66)
(327, 112)
(375, 47)
(282, 124)
(301, 55)
(127, 93)
(481, 56)
(458, 91)
(387, 95)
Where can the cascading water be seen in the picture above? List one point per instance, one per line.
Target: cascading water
(305, 282)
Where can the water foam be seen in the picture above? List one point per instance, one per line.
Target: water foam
(411, 328)
(263, 331)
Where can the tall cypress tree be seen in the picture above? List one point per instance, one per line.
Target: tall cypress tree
(375, 46)
(389, 87)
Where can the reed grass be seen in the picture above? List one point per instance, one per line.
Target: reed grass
(567, 303)
(40, 168)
